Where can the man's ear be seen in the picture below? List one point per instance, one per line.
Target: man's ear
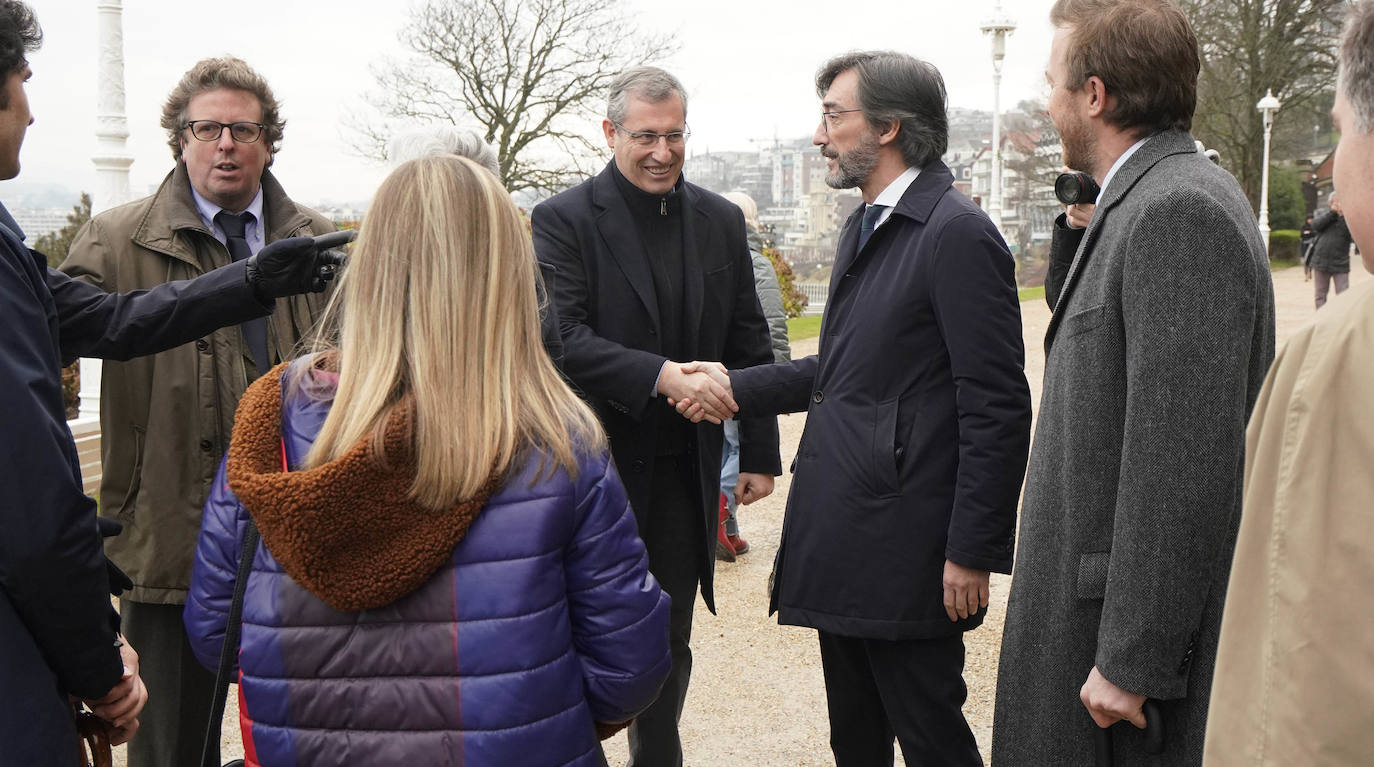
(1095, 92)
(609, 128)
(889, 134)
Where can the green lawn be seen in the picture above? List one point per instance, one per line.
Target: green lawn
(802, 328)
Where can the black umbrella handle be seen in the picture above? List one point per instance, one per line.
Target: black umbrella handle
(1154, 737)
(1102, 747)
(1154, 728)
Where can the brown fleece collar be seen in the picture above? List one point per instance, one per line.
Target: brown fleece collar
(345, 531)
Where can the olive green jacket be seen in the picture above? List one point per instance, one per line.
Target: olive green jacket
(165, 419)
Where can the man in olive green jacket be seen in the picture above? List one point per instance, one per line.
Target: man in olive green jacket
(165, 419)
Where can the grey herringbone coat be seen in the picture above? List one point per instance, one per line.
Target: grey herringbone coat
(1156, 351)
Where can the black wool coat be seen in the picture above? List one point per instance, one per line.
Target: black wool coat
(608, 315)
(917, 426)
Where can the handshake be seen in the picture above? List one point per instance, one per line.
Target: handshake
(699, 390)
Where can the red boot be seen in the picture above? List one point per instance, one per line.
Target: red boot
(724, 549)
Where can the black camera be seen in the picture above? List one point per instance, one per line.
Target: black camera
(1075, 187)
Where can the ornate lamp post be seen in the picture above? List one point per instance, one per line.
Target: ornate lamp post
(1267, 107)
(998, 26)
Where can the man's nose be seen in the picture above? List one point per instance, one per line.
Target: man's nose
(226, 139)
(820, 137)
(662, 154)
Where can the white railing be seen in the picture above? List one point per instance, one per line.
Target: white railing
(815, 296)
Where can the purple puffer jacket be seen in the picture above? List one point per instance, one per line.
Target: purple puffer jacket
(544, 621)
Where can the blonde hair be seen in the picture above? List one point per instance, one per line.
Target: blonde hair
(747, 206)
(437, 313)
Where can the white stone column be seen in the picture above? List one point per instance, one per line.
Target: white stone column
(112, 161)
(112, 158)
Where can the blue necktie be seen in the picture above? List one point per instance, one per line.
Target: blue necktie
(870, 222)
(255, 330)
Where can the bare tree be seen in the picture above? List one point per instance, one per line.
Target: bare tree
(1248, 47)
(530, 75)
(1032, 159)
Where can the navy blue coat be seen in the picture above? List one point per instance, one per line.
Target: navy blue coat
(544, 620)
(917, 426)
(57, 628)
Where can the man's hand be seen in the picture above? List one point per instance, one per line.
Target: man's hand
(752, 487)
(122, 704)
(695, 411)
(966, 590)
(1109, 704)
(692, 382)
(1079, 214)
(714, 381)
(290, 267)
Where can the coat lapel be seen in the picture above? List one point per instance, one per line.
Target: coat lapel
(846, 251)
(617, 229)
(696, 242)
(1151, 152)
(917, 203)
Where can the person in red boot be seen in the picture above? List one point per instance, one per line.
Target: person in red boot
(729, 544)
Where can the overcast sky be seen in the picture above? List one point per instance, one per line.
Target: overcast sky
(747, 66)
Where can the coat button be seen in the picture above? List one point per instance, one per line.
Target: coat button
(637, 467)
(207, 445)
(202, 345)
(817, 397)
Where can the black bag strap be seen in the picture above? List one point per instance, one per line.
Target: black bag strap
(210, 747)
(229, 649)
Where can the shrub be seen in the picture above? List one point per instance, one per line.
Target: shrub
(793, 300)
(1287, 206)
(1283, 245)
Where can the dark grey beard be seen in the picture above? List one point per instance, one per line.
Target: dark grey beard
(853, 167)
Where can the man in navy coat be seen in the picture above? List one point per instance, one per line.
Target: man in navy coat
(917, 427)
(58, 632)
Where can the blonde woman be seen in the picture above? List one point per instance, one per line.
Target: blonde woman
(450, 572)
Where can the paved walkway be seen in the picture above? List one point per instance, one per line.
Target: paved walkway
(757, 697)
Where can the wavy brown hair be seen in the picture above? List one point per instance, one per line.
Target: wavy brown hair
(213, 74)
(1144, 51)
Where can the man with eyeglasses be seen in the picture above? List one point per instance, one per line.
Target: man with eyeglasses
(165, 419)
(652, 272)
(917, 427)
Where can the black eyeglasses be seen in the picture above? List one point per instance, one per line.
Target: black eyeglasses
(650, 138)
(210, 130)
(828, 117)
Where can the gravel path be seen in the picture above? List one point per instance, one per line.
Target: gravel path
(757, 697)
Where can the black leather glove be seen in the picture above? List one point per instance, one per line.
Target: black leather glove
(290, 267)
(119, 582)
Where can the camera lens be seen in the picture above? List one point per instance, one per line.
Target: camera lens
(1074, 187)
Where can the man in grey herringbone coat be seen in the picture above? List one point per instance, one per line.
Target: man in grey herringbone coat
(1159, 342)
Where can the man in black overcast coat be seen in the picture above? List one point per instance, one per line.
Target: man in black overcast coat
(652, 271)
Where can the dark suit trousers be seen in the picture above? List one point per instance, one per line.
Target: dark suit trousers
(674, 538)
(172, 726)
(912, 690)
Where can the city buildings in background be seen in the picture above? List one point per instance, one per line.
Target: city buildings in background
(802, 216)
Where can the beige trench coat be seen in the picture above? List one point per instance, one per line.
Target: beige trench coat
(1295, 673)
